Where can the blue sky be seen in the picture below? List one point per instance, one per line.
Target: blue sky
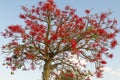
(10, 9)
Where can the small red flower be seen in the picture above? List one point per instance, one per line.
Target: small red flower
(103, 16)
(57, 12)
(99, 74)
(81, 27)
(3, 47)
(104, 49)
(32, 33)
(73, 43)
(98, 56)
(8, 59)
(13, 43)
(22, 16)
(87, 11)
(67, 7)
(54, 37)
(113, 43)
(103, 62)
(111, 35)
(110, 55)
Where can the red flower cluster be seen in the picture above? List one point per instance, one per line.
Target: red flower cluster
(101, 32)
(54, 37)
(73, 44)
(16, 29)
(53, 32)
(49, 6)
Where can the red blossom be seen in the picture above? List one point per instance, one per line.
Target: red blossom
(111, 35)
(57, 12)
(32, 33)
(3, 47)
(13, 43)
(67, 7)
(16, 29)
(33, 10)
(113, 43)
(8, 59)
(103, 16)
(38, 38)
(22, 16)
(109, 21)
(13, 68)
(87, 11)
(103, 49)
(49, 6)
(81, 27)
(101, 32)
(110, 55)
(28, 22)
(103, 62)
(99, 57)
(99, 74)
(72, 11)
(73, 44)
(54, 37)
(37, 29)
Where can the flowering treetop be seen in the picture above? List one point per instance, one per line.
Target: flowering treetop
(52, 34)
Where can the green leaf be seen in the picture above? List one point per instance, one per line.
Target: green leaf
(19, 66)
(12, 73)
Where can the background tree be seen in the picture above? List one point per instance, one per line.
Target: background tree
(52, 37)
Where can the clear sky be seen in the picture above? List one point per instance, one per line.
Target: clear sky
(10, 9)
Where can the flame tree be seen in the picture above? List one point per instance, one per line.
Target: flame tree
(51, 37)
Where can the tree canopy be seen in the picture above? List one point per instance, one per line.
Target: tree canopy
(52, 37)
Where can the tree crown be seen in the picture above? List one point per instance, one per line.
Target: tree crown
(53, 34)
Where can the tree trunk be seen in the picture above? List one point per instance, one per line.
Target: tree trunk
(46, 70)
